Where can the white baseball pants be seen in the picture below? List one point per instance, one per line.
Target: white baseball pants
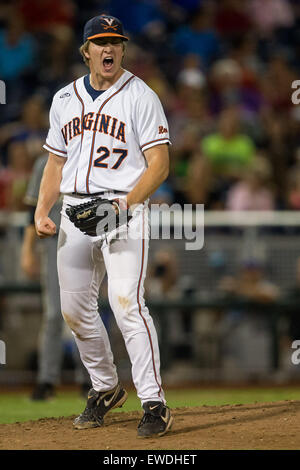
(82, 262)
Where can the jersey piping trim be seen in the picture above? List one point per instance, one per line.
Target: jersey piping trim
(140, 308)
(152, 142)
(82, 128)
(94, 132)
(53, 148)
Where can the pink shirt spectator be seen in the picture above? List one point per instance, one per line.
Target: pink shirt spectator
(270, 14)
(242, 198)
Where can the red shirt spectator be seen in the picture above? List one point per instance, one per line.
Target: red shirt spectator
(43, 16)
(232, 18)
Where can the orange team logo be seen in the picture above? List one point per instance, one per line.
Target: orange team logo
(109, 24)
(162, 130)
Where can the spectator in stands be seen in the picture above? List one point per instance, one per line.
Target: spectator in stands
(163, 195)
(246, 344)
(290, 330)
(198, 37)
(254, 191)
(244, 53)
(47, 16)
(293, 295)
(17, 50)
(56, 67)
(191, 73)
(279, 143)
(5, 185)
(17, 63)
(250, 282)
(293, 191)
(190, 88)
(268, 15)
(279, 75)
(148, 24)
(224, 157)
(143, 64)
(141, 17)
(228, 150)
(182, 153)
(232, 18)
(164, 283)
(31, 128)
(225, 82)
(189, 121)
(189, 6)
(14, 178)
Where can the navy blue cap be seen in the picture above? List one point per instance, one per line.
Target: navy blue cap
(103, 26)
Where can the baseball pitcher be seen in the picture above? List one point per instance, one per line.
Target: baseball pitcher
(108, 152)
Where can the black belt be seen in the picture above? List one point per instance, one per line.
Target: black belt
(101, 193)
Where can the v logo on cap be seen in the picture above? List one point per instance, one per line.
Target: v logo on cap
(108, 20)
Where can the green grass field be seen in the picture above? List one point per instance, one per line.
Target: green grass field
(17, 407)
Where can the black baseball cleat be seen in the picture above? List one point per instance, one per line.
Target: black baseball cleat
(98, 404)
(42, 392)
(157, 419)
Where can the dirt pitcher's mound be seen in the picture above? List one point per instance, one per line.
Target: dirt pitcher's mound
(256, 426)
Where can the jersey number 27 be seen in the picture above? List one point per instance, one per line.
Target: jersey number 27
(105, 153)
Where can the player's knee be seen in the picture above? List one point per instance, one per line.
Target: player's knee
(127, 305)
(83, 327)
(78, 314)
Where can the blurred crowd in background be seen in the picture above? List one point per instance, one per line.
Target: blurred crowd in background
(223, 70)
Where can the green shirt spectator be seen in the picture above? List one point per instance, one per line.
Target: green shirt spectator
(228, 151)
(232, 153)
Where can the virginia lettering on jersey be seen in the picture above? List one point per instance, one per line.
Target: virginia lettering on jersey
(102, 123)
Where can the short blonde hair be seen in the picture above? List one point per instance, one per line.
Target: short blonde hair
(85, 47)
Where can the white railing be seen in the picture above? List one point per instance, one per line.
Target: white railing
(211, 218)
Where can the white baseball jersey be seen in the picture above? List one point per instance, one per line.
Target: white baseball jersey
(104, 140)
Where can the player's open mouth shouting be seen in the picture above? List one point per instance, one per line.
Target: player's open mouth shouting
(108, 63)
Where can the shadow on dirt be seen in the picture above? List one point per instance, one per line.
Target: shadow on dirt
(266, 411)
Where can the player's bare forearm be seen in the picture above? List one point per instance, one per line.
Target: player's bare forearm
(158, 170)
(29, 259)
(29, 239)
(48, 195)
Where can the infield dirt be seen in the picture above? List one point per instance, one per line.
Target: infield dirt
(252, 426)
